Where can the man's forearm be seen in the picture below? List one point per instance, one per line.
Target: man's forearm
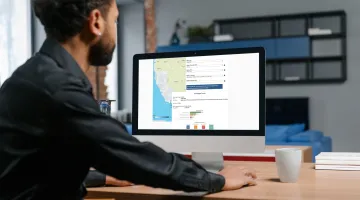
(95, 179)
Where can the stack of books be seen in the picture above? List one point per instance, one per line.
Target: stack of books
(338, 161)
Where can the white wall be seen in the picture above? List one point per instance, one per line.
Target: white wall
(111, 80)
(40, 34)
(132, 42)
(334, 108)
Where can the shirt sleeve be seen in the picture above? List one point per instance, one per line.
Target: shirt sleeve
(116, 153)
(95, 179)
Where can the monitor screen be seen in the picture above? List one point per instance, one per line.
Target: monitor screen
(217, 92)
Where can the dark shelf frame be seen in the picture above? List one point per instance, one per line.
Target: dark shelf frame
(305, 59)
(308, 18)
(121, 68)
(307, 82)
(282, 17)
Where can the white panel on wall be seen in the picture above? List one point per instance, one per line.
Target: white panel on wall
(15, 35)
(40, 34)
(111, 80)
(132, 42)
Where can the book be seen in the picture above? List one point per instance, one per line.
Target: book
(340, 156)
(337, 167)
(338, 162)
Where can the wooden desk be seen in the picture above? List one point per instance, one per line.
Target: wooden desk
(312, 185)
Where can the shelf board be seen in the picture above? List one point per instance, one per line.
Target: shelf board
(304, 82)
(280, 17)
(266, 38)
(313, 37)
(305, 59)
(330, 36)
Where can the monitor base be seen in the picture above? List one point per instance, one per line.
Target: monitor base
(211, 161)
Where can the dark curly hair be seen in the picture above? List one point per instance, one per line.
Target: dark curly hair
(63, 19)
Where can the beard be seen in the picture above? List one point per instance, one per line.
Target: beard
(101, 53)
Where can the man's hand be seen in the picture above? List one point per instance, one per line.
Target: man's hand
(237, 177)
(111, 181)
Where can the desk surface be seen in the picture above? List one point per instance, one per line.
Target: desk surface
(312, 184)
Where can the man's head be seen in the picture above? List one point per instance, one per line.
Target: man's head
(91, 21)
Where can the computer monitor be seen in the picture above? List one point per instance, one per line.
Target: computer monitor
(204, 102)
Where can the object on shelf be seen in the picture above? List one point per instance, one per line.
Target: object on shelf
(175, 37)
(124, 116)
(175, 40)
(223, 38)
(292, 78)
(197, 34)
(338, 161)
(318, 31)
(105, 106)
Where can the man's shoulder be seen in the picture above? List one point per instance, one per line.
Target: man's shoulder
(44, 73)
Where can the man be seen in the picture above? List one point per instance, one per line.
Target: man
(51, 127)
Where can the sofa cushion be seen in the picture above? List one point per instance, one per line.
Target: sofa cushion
(275, 133)
(307, 136)
(326, 142)
(280, 133)
(129, 128)
(294, 129)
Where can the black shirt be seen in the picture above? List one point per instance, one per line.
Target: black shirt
(52, 132)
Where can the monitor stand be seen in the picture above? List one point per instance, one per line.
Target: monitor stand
(211, 161)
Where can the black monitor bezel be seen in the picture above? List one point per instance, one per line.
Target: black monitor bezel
(172, 132)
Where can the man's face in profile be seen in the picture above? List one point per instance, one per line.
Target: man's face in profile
(101, 52)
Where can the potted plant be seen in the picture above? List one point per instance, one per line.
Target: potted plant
(199, 34)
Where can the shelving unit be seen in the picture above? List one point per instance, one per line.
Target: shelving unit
(296, 52)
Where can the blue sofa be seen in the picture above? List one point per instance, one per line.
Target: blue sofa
(295, 135)
(292, 135)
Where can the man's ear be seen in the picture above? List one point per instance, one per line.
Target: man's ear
(96, 23)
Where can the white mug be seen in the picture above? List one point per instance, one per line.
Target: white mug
(288, 163)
